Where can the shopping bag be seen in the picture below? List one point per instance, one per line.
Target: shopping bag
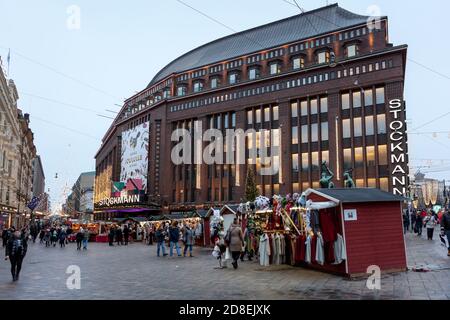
(227, 254)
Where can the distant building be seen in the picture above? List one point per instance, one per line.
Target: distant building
(17, 151)
(81, 201)
(38, 178)
(428, 192)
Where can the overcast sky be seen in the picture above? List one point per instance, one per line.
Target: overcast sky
(121, 45)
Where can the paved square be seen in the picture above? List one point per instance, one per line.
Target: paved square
(134, 272)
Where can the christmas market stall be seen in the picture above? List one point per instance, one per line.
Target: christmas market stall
(352, 229)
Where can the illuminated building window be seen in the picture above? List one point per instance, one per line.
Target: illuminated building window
(324, 129)
(294, 109)
(305, 161)
(357, 99)
(345, 100)
(294, 135)
(384, 184)
(346, 132)
(382, 155)
(381, 123)
(347, 159)
(369, 126)
(370, 156)
(359, 158)
(295, 163)
(323, 105)
(368, 97)
(314, 108)
(380, 95)
(357, 127)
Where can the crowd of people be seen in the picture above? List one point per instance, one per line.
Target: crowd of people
(417, 220)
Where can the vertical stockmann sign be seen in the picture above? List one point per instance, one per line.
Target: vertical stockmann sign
(134, 159)
(398, 147)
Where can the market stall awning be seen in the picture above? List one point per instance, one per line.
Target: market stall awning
(320, 205)
(356, 195)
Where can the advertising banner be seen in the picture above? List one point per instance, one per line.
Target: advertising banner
(134, 160)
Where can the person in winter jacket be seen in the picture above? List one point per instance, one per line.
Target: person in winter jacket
(16, 249)
(174, 238)
(188, 239)
(62, 238)
(445, 225)
(86, 236)
(126, 234)
(79, 238)
(161, 239)
(430, 223)
(236, 241)
(111, 236)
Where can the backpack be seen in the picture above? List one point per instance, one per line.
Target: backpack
(18, 248)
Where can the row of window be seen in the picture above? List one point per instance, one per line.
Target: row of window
(353, 158)
(369, 126)
(360, 183)
(356, 99)
(310, 106)
(254, 116)
(284, 85)
(305, 137)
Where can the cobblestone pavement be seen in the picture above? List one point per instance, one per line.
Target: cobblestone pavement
(134, 272)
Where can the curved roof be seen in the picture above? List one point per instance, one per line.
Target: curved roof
(298, 27)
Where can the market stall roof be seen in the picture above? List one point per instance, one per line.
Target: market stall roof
(231, 207)
(356, 195)
(211, 211)
(202, 213)
(137, 219)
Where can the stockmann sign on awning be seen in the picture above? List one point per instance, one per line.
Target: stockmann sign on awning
(108, 202)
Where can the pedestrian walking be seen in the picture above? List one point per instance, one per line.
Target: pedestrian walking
(119, 236)
(430, 223)
(111, 236)
(16, 249)
(188, 239)
(445, 224)
(6, 234)
(419, 224)
(405, 221)
(235, 241)
(174, 238)
(62, 238)
(86, 236)
(41, 236)
(161, 241)
(126, 234)
(54, 237)
(79, 238)
(413, 221)
(47, 238)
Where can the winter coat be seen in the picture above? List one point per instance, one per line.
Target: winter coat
(86, 235)
(236, 239)
(79, 236)
(188, 236)
(160, 235)
(445, 222)
(174, 234)
(13, 245)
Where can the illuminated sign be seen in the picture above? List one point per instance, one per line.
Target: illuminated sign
(109, 202)
(397, 137)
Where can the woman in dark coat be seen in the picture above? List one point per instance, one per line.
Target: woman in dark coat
(236, 241)
(119, 236)
(16, 249)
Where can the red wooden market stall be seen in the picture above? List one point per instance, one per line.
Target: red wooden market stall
(370, 221)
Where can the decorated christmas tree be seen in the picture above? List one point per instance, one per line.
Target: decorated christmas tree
(251, 191)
